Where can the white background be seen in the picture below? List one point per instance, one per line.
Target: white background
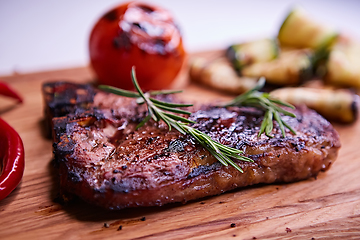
(40, 35)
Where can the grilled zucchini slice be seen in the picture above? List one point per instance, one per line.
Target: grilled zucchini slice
(290, 68)
(343, 64)
(247, 53)
(336, 105)
(301, 31)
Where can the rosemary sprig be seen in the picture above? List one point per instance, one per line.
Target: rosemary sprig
(272, 108)
(159, 110)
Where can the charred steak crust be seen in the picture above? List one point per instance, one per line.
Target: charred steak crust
(62, 98)
(105, 161)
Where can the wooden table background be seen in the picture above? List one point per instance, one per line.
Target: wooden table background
(324, 208)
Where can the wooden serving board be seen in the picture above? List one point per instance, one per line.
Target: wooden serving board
(327, 207)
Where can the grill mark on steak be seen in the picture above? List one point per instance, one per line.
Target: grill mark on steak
(105, 161)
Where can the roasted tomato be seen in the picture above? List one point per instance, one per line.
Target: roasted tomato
(140, 35)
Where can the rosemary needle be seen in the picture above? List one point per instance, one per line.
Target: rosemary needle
(159, 110)
(254, 98)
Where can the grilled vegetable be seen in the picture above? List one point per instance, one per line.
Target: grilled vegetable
(300, 30)
(218, 74)
(11, 150)
(141, 35)
(343, 65)
(247, 53)
(12, 159)
(336, 105)
(290, 68)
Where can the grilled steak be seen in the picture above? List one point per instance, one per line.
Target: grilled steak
(105, 161)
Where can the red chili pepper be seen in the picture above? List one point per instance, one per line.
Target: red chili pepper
(12, 157)
(9, 92)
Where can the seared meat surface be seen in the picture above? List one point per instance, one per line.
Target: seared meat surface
(105, 161)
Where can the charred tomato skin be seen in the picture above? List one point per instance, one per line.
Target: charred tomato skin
(140, 35)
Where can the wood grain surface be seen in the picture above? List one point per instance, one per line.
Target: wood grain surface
(324, 208)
